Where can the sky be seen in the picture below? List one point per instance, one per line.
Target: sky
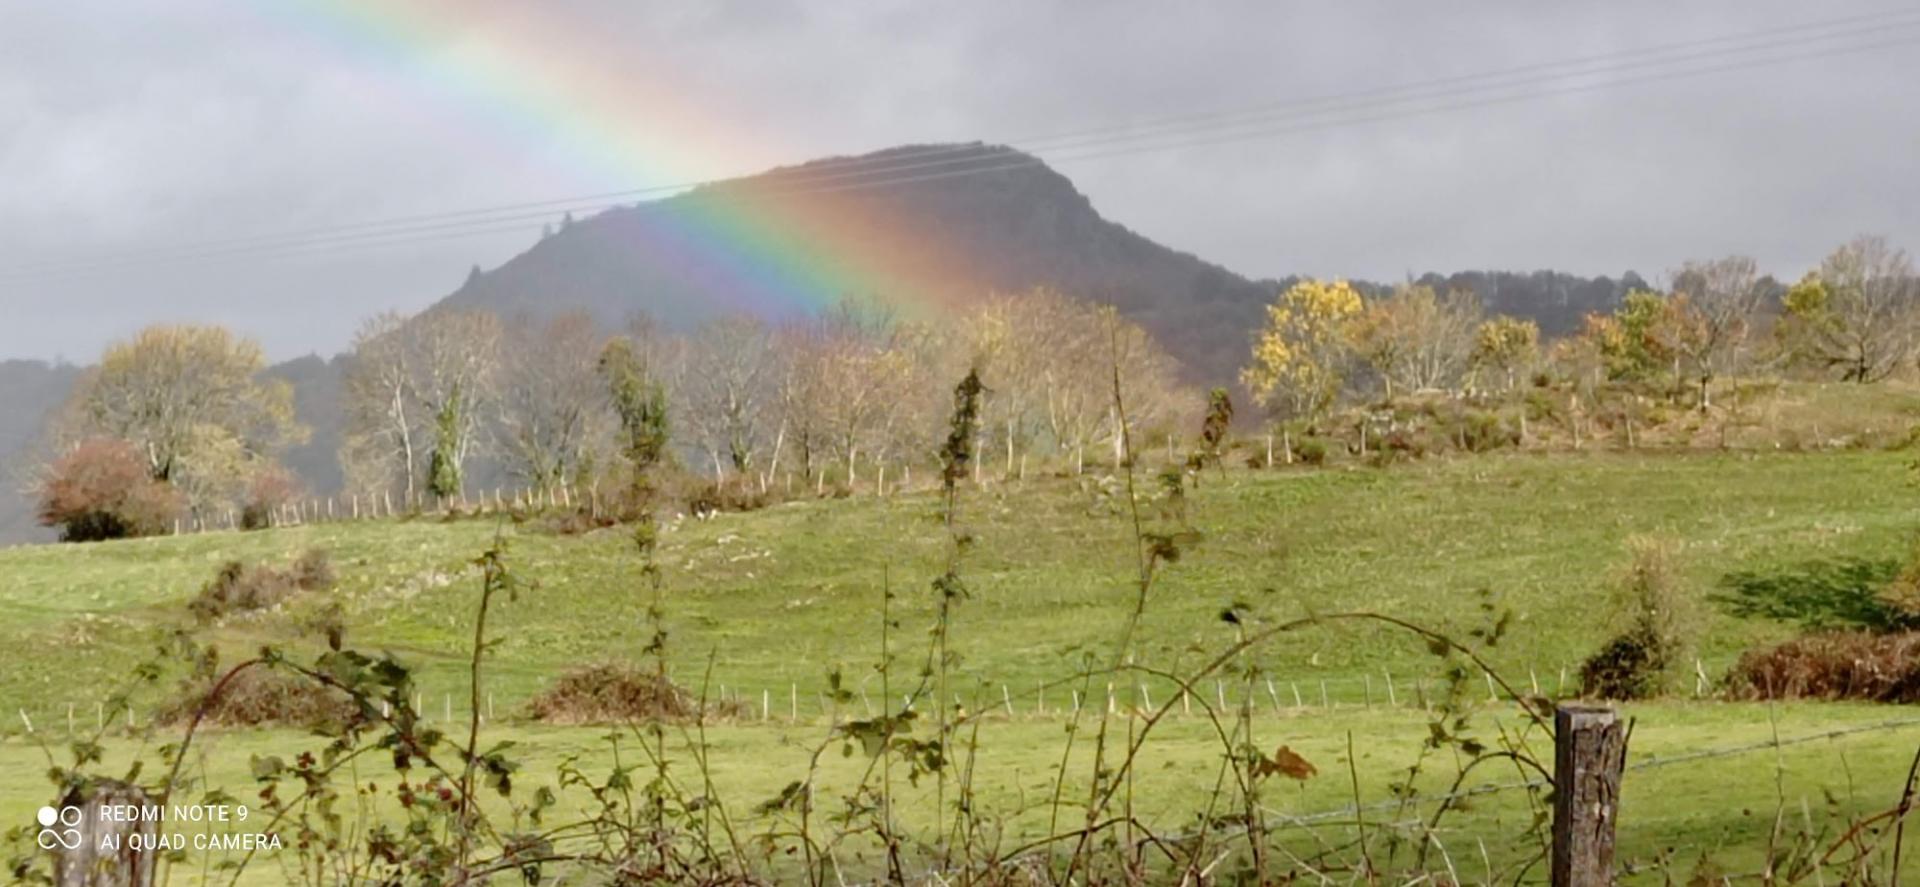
(196, 161)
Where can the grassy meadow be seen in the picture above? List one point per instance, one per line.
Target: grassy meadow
(766, 604)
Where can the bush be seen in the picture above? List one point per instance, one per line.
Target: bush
(1480, 431)
(1404, 442)
(619, 692)
(568, 522)
(1654, 626)
(102, 489)
(270, 490)
(1312, 451)
(262, 697)
(1901, 597)
(238, 588)
(1832, 665)
(706, 498)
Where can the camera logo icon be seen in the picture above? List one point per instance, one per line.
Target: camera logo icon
(59, 828)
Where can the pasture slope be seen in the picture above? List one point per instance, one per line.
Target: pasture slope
(765, 604)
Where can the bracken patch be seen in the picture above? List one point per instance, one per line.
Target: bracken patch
(617, 692)
(1832, 665)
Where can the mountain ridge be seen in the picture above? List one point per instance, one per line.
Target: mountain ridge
(1003, 221)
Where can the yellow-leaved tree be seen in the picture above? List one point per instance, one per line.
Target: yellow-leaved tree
(1506, 345)
(193, 402)
(1298, 360)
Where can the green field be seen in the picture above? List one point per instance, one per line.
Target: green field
(776, 599)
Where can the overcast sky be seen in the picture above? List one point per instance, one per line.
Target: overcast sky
(134, 134)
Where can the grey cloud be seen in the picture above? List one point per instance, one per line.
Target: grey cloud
(131, 127)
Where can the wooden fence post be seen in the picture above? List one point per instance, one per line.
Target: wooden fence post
(93, 850)
(1589, 752)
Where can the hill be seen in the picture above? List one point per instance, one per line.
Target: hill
(987, 219)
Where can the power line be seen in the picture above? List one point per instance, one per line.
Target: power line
(1044, 142)
(1192, 130)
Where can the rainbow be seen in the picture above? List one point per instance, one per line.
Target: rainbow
(521, 76)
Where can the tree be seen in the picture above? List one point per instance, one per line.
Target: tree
(385, 435)
(104, 489)
(1214, 428)
(454, 380)
(551, 395)
(800, 392)
(1717, 304)
(1640, 339)
(1416, 338)
(1048, 364)
(416, 392)
(190, 400)
(1506, 345)
(639, 405)
(1010, 340)
(1298, 358)
(1859, 313)
(721, 387)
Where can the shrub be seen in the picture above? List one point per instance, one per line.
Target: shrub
(262, 697)
(102, 489)
(1404, 442)
(618, 692)
(1832, 665)
(1480, 431)
(1654, 625)
(569, 522)
(313, 570)
(269, 491)
(239, 588)
(708, 498)
(1312, 451)
(1901, 597)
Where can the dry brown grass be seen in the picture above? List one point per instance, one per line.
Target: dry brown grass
(240, 588)
(1832, 665)
(262, 697)
(617, 692)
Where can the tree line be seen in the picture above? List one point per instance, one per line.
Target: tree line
(841, 398)
(1856, 318)
(181, 420)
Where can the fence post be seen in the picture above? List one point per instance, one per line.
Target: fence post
(1589, 750)
(92, 849)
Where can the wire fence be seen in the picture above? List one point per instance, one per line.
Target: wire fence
(792, 703)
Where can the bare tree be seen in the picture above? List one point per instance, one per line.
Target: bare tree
(1719, 303)
(722, 385)
(1010, 340)
(550, 397)
(800, 394)
(385, 438)
(1047, 361)
(460, 354)
(416, 392)
(1859, 313)
(1416, 339)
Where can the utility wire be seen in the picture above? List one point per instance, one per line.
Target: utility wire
(891, 162)
(1214, 128)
